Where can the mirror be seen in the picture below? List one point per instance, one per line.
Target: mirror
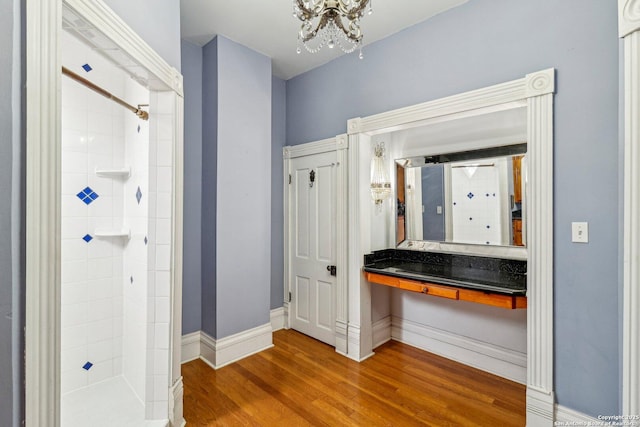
(471, 197)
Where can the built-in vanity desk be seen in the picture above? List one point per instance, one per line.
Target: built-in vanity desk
(491, 281)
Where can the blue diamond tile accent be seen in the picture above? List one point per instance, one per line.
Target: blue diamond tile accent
(87, 366)
(470, 195)
(87, 238)
(87, 195)
(138, 195)
(87, 67)
(146, 240)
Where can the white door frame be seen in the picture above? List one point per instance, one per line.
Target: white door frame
(340, 145)
(43, 197)
(629, 28)
(535, 91)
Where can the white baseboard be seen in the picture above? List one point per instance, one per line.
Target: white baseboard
(176, 407)
(218, 353)
(277, 319)
(381, 331)
(540, 408)
(571, 417)
(208, 349)
(190, 347)
(484, 356)
(238, 346)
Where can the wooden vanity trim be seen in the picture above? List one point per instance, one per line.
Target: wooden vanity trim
(450, 292)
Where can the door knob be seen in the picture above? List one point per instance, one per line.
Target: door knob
(331, 269)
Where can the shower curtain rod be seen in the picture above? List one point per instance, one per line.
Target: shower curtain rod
(137, 111)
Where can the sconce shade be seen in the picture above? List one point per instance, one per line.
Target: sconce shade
(380, 183)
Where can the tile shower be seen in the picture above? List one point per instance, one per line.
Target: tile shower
(116, 246)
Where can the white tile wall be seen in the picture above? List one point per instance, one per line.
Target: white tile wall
(92, 138)
(159, 255)
(136, 134)
(123, 328)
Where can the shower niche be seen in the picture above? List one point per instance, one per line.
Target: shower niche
(116, 240)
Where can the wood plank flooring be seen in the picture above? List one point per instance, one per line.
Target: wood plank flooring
(303, 382)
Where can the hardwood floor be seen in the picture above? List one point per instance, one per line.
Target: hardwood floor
(303, 382)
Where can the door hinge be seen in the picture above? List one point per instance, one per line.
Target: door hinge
(289, 179)
(289, 296)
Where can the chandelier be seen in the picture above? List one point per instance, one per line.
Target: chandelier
(330, 23)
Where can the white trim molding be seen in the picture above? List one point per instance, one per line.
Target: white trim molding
(571, 417)
(481, 355)
(311, 148)
(176, 390)
(628, 17)
(536, 91)
(176, 404)
(381, 331)
(342, 254)
(43, 175)
(539, 238)
(277, 319)
(222, 352)
(629, 20)
(208, 349)
(238, 346)
(190, 347)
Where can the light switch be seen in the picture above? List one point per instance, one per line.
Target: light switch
(439, 210)
(580, 232)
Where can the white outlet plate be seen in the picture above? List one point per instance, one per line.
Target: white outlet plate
(580, 232)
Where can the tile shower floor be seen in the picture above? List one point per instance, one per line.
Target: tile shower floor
(106, 404)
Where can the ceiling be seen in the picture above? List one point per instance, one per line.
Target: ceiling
(269, 27)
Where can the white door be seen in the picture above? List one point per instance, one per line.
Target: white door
(312, 248)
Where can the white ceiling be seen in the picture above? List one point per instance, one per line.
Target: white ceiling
(269, 27)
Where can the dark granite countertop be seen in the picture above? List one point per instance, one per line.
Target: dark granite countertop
(498, 275)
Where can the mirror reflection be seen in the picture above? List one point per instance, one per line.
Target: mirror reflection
(472, 197)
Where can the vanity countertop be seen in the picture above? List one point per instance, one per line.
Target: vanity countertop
(496, 275)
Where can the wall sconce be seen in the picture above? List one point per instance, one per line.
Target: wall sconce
(380, 183)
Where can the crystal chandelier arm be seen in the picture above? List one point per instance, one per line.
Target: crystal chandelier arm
(324, 20)
(353, 33)
(306, 13)
(356, 11)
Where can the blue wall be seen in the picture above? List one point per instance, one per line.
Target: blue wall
(236, 186)
(192, 253)
(278, 139)
(485, 42)
(209, 184)
(432, 221)
(11, 246)
(243, 216)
